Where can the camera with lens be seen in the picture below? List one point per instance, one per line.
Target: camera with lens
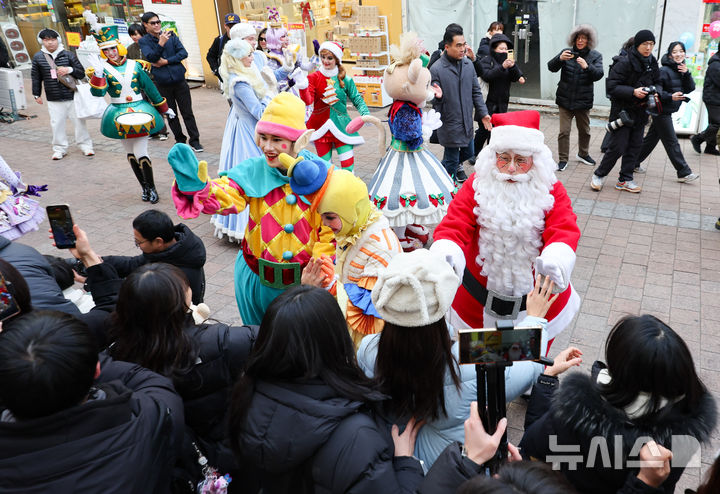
(622, 120)
(652, 103)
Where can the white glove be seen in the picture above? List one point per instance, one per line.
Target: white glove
(452, 253)
(98, 64)
(556, 261)
(301, 80)
(270, 81)
(430, 121)
(170, 113)
(330, 96)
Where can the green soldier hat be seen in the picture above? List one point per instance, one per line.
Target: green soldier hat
(106, 36)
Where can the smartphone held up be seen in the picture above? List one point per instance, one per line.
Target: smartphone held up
(487, 346)
(61, 224)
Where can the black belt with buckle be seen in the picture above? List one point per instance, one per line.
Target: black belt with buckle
(497, 305)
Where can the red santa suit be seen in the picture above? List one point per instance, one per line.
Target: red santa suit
(497, 233)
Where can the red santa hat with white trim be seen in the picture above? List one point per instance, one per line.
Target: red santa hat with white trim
(517, 131)
(334, 48)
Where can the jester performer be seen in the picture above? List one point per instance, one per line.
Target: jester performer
(365, 241)
(128, 117)
(283, 232)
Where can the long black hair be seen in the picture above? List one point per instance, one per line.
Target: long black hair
(17, 286)
(411, 365)
(303, 336)
(644, 354)
(150, 318)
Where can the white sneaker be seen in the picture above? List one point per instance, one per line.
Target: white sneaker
(689, 178)
(58, 155)
(628, 186)
(597, 182)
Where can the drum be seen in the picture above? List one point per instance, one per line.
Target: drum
(134, 124)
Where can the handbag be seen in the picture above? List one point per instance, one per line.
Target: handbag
(87, 105)
(66, 80)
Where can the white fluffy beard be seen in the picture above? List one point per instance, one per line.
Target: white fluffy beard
(511, 216)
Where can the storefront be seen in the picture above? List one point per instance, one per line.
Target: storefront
(21, 20)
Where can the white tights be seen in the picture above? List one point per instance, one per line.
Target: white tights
(137, 146)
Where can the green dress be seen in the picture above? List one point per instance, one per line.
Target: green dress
(125, 84)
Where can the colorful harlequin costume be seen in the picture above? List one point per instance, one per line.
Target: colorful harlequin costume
(283, 232)
(365, 244)
(501, 230)
(410, 185)
(128, 117)
(329, 95)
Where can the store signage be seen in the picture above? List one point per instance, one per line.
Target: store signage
(73, 39)
(296, 25)
(122, 26)
(176, 2)
(711, 1)
(706, 28)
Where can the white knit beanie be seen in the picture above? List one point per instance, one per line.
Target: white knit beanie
(416, 289)
(242, 31)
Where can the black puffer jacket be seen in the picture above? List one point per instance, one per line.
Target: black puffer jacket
(575, 89)
(711, 89)
(578, 415)
(627, 73)
(672, 82)
(40, 74)
(206, 389)
(304, 438)
(122, 440)
(188, 254)
(498, 78)
(483, 48)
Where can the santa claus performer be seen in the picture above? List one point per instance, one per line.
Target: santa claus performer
(511, 217)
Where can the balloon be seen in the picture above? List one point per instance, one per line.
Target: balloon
(714, 29)
(688, 40)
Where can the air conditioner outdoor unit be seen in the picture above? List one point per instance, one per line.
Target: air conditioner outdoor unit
(15, 44)
(12, 88)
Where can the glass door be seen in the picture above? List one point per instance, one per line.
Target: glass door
(520, 18)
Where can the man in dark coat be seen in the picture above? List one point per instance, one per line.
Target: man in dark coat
(69, 423)
(711, 98)
(48, 65)
(630, 75)
(215, 51)
(161, 241)
(580, 67)
(457, 92)
(165, 52)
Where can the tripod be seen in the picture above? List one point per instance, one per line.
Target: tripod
(491, 397)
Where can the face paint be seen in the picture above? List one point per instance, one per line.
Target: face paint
(284, 146)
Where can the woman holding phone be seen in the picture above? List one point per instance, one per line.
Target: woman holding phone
(415, 360)
(677, 81)
(499, 70)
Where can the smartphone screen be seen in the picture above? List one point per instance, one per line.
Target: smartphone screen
(8, 306)
(61, 224)
(510, 55)
(485, 346)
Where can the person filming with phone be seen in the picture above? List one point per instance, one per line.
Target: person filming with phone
(580, 66)
(164, 50)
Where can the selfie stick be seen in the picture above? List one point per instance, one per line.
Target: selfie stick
(491, 397)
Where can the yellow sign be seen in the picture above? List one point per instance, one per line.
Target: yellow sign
(73, 39)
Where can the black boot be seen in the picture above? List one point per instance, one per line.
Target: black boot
(135, 165)
(146, 167)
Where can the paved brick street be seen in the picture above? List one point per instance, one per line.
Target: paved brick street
(655, 252)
